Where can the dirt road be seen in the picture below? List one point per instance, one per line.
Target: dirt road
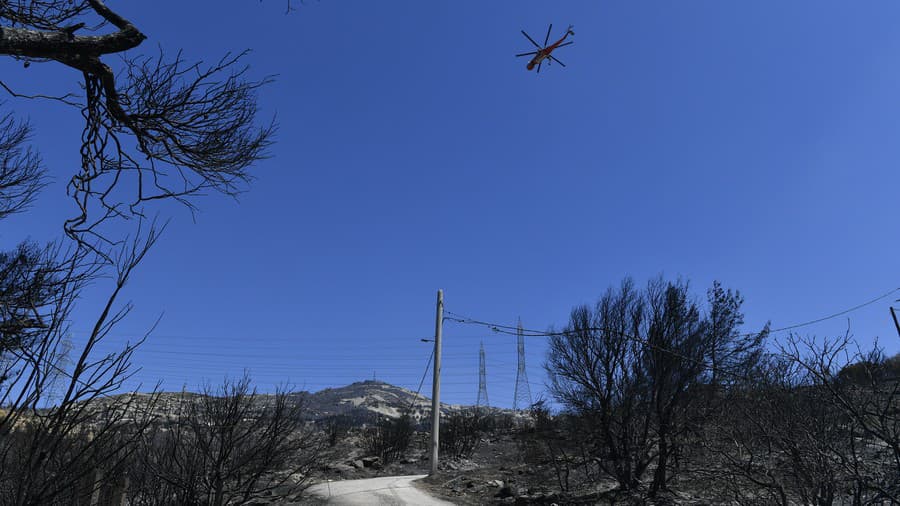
(389, 490)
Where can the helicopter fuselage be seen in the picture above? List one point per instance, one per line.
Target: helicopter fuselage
(538, 58)
(544, 53)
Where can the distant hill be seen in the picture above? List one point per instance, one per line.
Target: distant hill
(362, 402)
(368, 399)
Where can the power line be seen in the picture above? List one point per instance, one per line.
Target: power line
(422, 382)
(511, 330)
(644, 342)
(507, 329)
(247, 337)
(835, 315)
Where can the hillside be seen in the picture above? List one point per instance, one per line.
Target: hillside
(362, 402)
(367, 399)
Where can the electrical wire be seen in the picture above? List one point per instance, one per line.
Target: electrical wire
(510, 330)
(422, 382)
(835, 315)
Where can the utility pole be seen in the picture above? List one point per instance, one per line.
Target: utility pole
(896, 322)
(436, 384)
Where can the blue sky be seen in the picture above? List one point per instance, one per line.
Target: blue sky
(750, 142)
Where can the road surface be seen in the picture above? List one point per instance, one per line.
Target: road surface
(390, 490)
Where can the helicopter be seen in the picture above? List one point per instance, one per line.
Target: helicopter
(544, 52)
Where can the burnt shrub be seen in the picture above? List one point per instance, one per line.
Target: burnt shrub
(461, 432)
(389, 438)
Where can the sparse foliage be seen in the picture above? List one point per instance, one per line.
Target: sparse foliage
(155, 129)
(634, 367)
(21, 174)
(336, 427)
(389, 438)
(229, 445)
(461, 432)
(53, 447)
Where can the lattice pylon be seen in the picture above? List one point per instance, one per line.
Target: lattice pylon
(482, 382)
(522, 399)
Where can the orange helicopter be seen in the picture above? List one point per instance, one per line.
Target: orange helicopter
(545, 52)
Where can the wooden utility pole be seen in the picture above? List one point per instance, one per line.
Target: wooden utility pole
(436, 384)
(896, 322)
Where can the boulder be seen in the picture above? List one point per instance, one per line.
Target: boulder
(506, 491)
(373, 462)
(340, 468)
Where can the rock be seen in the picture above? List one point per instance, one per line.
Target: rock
(495, 483)
(341, 468)
(409, 460)
(281, 491)
(506, 491)
(374, 462)
(452, 466)
(358, 464)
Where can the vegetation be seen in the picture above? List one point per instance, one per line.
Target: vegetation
(225, 446)
(660, 393)
(156, 129)
(389, 438)
(657, 390)
(461, 433)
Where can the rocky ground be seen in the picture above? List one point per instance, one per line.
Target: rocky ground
(500, 471)
(496, 473)
(493, 474)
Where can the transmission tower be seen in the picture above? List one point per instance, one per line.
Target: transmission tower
(482, 382)
(522, 399)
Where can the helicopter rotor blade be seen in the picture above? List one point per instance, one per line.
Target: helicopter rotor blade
(531, 40)
(539, 66)
(557, 61)
(547, 38)
(566, 44)
(526, 54)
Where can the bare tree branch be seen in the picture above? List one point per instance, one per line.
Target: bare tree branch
(160, 130)
(21, 173)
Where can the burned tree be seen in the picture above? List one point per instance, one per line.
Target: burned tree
(193, 127)
(155, 129)
(59, 449)
(595, 371)
(637, 366)
(228, 445)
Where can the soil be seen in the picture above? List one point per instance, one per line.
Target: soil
(499, 471)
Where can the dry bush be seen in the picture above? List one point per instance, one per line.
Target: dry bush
(230, 445)
(461, 433)
(819, 424)
(389, 438)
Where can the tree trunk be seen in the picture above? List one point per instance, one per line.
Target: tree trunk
(662, 463)
(218, 499)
